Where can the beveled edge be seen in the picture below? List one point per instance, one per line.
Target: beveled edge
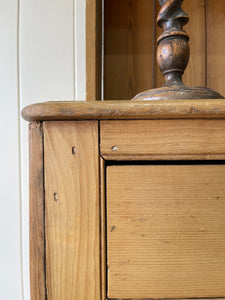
(125, 109)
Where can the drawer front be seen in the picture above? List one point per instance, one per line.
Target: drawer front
(163, 139)
(165, 231)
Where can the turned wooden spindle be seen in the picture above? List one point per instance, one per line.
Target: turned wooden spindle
(173, 57)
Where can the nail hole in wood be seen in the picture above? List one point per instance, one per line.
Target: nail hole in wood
(114, 148)
(74, 150)
(55, 197)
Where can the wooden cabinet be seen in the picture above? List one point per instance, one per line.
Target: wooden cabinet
(127, 200)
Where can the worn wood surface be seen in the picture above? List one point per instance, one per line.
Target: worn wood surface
(173, 46)
(165, 231)
(36, 222)
(103, 229)
(145, 138)
(72, 210)
(215, 45)
(128, 43)
(171, 109)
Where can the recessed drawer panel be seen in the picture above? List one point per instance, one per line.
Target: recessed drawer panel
(163, 139)
(166, 231)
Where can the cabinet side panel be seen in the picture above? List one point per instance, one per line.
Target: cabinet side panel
(72, 210)
(37, 235)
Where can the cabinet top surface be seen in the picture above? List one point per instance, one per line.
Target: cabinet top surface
(125, 109)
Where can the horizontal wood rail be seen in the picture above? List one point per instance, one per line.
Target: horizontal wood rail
(124, 109)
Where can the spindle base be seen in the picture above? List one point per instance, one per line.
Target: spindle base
(177, 92)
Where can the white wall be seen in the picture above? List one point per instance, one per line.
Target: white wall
(42, 54)
(10, 230)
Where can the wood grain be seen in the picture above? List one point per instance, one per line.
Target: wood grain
(171, 109)
(128, 42)
(36, 221)
(194, 75)
(93, 50)
(215, 45)
(103, 229)
(72, 222)
(165, 231)
(142, 138)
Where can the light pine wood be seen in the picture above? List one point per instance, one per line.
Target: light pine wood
(128, 44)
(195, 74)
(103, 229)
(170, 109)
(36, 221)
(72, 215)
(162, 137)
(165, 231)
(215, 45)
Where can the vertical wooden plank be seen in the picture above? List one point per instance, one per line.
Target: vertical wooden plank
(194, 75)
(72, 210)
(37, 228)
(93, 50)
(103, 229)
(128, 48)
(215, 45)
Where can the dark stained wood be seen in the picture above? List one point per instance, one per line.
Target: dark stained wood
(173, 48)
(158, 31)
(195, 74)
(177, 92)
(109, 110)
(37, 220)
(128, 46)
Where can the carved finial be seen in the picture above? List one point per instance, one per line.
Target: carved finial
(173, 57)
